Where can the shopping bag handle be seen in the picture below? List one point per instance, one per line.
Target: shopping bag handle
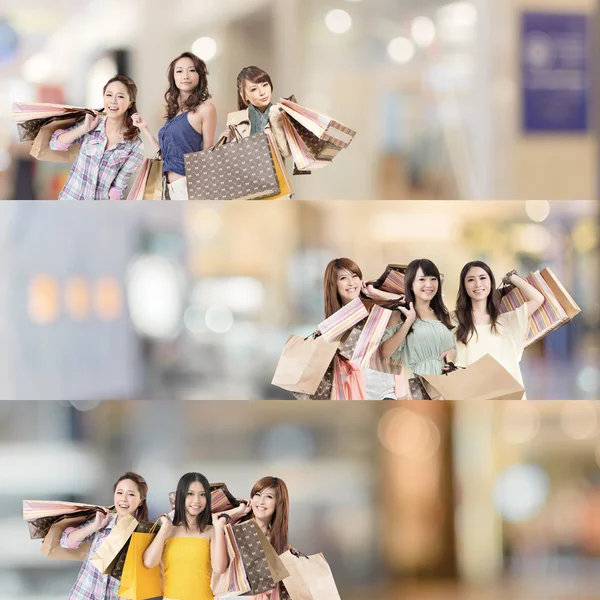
(297, 553)
(223, 139)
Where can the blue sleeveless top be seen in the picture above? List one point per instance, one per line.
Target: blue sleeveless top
(176, 138)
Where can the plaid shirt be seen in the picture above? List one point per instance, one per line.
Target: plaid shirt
(91, 584)
(99, 173)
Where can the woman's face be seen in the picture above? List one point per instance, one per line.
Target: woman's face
(127, 498)
(258, 94)
(263, 504)
(116, 100)
(195, 499)
(185, 74)
(348, 286)
(477, 283)
(424, 287)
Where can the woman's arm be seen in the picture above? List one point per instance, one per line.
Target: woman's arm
(62, 139)
(375, 294)
(390, 345)
(218, 548)
(240, 511)
(143, 127)
(153, 553)
(74, 536)
(132, 164)
(204, 121)
(534, 298)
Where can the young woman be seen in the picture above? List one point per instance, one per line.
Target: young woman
(191, 120)
(130, 493)
(343, 282)
(421, 334)
(269, 506)
(190, 547)
(111, 149)
(255, 111)
(481, 329)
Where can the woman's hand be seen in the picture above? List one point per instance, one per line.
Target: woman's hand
(448, 357)
(410, 314)
(219, 521)
(371, 292)
(166, 526)
(90, 122)
(101, 520)
(138, 121)
(243, 509)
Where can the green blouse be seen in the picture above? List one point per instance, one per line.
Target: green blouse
(421, 348)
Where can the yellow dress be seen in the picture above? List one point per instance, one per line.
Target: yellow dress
(187, 569)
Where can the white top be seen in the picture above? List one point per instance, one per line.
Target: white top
(506, 346)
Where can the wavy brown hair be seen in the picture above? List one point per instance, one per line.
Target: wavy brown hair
(197, 97)
(437, 302)
(141, 514)
(464, 305)
(278, 527)
(253, 75)
(333, 302)
(131, 131)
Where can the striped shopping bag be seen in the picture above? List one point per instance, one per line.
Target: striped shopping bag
(370, 337)
(234, 579)
(333, 328)
(392, 279)
(558, 307)
(301, 154)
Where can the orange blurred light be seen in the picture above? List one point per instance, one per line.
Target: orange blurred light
(108, 299)
(77, 298)
(43, 301)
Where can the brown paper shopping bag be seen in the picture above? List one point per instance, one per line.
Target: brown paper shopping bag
(303, 364)
(278, 570)
(558, 289)
(51, 545)
(310, 578)
(485, 379)
(41, 145)
(233, 580)
(107, 554)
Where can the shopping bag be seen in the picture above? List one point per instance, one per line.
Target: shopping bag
(233, 580)
(392, 279)
(147, 184)
(370, 337)
(558, 307)
(137, 581)
(106, 556)
(348, 380)
(261, 578)
(32, 116)
(485, 379)
(310, 578)
(283, 180)
(319, 124)
(41, 150)
(242, 169)
(51, 545)
(333, 328)
(303, 159)
(324, 389)
(303, 363)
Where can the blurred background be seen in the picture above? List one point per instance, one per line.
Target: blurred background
(392, 494)
(462, 100)
(122, 300)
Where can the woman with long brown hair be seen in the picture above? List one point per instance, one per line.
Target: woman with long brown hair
(129, 497)
(481, 328)
(111, 149)
(342, 283)
(191, 120)
(419, 333)
(256, 112)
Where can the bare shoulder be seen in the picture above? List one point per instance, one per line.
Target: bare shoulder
(204, 111)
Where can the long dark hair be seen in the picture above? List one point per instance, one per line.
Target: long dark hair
(197, 97)
(333, 302)
(205, 517)
(464, 305)
(131, 131)
(253, 75)
(437, 302)
(141, 514)
(278, 527)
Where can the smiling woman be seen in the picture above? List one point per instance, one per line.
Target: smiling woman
(111, 149)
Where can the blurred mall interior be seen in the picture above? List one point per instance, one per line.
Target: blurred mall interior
(154, 301)
(462, 100)
(394, 495)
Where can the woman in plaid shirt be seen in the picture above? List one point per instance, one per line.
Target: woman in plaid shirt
(130, 493)
(111, 148)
